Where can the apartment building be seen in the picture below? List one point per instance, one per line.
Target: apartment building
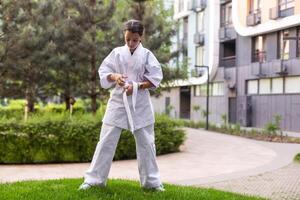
(268, 61)
(252, 50)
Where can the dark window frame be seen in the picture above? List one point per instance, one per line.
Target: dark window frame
(284, 5)
(298, 42)
(224, 22)
(260, 55)
(279, 49)
(253, 10)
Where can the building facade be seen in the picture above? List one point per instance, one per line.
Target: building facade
(252, 49)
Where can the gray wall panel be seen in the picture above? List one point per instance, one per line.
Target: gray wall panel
(159, 102)
(271, 46)
(243, 50)
(218, 105)
(295, 110)
(265, 107)
(293, 43)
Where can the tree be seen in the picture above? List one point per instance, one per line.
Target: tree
(94, 19)
(80, 45)
(23, 55)
(159, 29)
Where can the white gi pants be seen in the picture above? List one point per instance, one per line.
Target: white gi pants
(146, 155)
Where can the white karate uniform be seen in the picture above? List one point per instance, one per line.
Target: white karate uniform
(134, 112)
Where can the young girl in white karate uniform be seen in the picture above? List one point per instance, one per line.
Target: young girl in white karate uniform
(130, 70)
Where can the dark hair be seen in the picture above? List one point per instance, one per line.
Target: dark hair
(134, 26)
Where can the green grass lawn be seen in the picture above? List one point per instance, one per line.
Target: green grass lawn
(116, 189)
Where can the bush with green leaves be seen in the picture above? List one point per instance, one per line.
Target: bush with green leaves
(273, 128)
(16, 108)
(51, 138)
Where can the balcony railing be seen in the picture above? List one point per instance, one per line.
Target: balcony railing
(199, 39)
(259, 56)
(286, 12)
(197, 5)
(254, 18)
(226, 23)
(228, 61)
(227, 33)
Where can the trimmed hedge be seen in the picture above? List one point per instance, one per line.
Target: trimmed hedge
(63, 139)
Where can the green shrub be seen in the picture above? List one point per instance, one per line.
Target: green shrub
(15, 108)
(49, 138)
(60, 108)
(297, 158)
(193, 124)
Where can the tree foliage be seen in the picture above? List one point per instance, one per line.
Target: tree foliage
(55, 47)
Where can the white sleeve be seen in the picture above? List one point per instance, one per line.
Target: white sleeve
(153, 72)
(107, 67)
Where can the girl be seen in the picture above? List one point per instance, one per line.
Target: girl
(130, 70)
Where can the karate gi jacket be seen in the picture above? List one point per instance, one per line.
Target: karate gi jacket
(141, 65)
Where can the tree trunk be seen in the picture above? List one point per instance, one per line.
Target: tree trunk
(29, 100)
(67, 101)
(67, 93)
(29, 93)
(93, 93)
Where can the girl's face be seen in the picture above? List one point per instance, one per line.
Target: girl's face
(132, 40)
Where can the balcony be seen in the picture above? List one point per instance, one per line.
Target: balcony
(254, 18)
(258, 63)
(182, 45)
(228, 61)
(227, 33)
(259, 56)
(197, 5)
(199, 39)
(282, 68)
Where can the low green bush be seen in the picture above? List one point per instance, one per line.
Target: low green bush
(297, 158)
(60, 138)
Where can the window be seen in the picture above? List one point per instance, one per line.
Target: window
(167, 105)
(277, 86)
(215, 89)
(252, 86)
(254, 6)
(226, 14)
(258, 49)
(292, 84)
(264, 86)
(185, 27)
(287, 85)
(200, 22)
(203, 89)
(227, 53)
(200, 90)
(200, 55)
(286, 7)
(286, 4)
(298, 42)
(182, 36)
(180, 5)
(197, 90)
(284, 45)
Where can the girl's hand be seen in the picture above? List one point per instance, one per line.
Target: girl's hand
(128, 88)
(119, 79)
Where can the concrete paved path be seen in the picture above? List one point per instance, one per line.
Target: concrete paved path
(206, 158)
(280, 184)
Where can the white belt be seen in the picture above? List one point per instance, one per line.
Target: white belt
(125, 100)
